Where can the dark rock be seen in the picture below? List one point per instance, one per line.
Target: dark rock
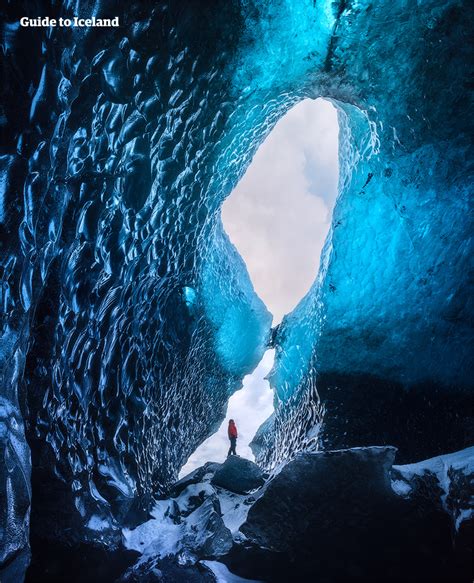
(206, 534)
(238, 475)
(167, 570)
(316, 489)
(83, 563)
(333, 516)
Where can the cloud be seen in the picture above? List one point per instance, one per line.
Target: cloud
(279, 214)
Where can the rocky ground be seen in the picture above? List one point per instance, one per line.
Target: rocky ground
(346, 515)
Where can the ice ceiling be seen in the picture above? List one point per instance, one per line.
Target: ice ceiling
(128, 317)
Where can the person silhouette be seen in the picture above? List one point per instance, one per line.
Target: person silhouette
(232, 433)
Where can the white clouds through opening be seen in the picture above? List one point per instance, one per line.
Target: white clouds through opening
(278, 218)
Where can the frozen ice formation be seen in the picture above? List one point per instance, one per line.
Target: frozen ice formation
(15, 486)
(128, 318)
(381, 346)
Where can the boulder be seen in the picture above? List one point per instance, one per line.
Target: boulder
(314, 492)
(334, 516)
(238, 475)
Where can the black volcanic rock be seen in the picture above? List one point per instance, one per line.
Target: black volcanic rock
(333, 516)
(238, 475)
(315, 492)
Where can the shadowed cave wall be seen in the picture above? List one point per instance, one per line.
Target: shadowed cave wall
(129, 318)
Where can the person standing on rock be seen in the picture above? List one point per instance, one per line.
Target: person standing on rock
(232, 433)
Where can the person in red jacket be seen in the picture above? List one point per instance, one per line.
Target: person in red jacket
(232, 433)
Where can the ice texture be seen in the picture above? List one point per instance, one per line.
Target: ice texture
(15, 487)
(383, 340)
(128, 318)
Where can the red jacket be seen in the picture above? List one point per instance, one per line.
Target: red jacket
(232, 430)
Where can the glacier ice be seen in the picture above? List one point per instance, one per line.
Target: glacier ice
(385, 333)
(128, 319)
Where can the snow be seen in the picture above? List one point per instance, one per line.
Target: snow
(444, 467)
(234, 509)
(97, 523)
(223, 575)
(188, 525)
(155, 537)
(401, 488)
(461, 460)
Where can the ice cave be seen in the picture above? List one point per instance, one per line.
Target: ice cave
(128, 318)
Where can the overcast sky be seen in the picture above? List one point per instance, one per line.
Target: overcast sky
(279, 214)
(278, 218)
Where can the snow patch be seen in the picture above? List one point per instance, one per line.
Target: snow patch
(444, 467)
(235, 508)
(98, 524)
(223, 575)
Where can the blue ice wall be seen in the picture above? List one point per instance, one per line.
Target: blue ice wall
(387, 325)
(129, 318)
(239, 318)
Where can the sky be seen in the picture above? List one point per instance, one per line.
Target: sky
(278, 217)
(249, 407)
(279, 214)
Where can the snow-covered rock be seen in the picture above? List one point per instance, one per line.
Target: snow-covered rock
(234, 508)
(198, 521)
(223, 575)
(321, 516)
(336, 516)
(450, 478)
(190, 526)
(201, 474)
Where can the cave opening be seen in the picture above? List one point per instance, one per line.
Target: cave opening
(278, 218)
